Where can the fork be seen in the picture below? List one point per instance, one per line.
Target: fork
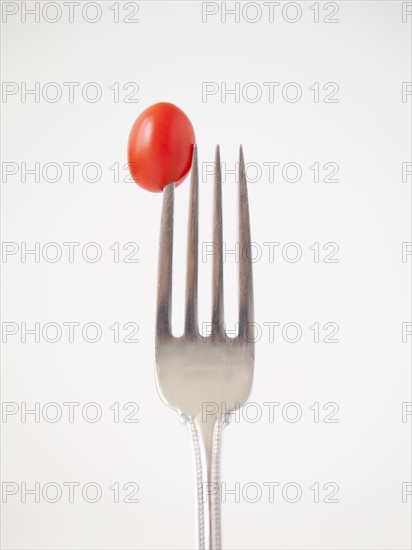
(205, 378)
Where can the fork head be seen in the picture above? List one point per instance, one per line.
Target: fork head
(194, 371)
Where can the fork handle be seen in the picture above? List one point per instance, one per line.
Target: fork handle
(206, 439)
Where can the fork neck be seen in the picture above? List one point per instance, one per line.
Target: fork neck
(206, 439)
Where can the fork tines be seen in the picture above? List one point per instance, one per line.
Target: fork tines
(164, 291)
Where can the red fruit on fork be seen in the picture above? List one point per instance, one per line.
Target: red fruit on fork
(160, 147)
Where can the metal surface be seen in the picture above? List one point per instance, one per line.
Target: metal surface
(204, 379)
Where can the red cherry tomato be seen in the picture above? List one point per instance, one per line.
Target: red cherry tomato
(160, 147)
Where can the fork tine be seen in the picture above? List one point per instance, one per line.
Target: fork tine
(191, 322)
(217, 285)
(164, 277)
(245, 266)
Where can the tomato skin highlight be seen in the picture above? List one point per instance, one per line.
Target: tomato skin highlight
(160, 146)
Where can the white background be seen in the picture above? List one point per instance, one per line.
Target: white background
(170, 52)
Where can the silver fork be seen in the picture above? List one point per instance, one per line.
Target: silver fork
(205, 379)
